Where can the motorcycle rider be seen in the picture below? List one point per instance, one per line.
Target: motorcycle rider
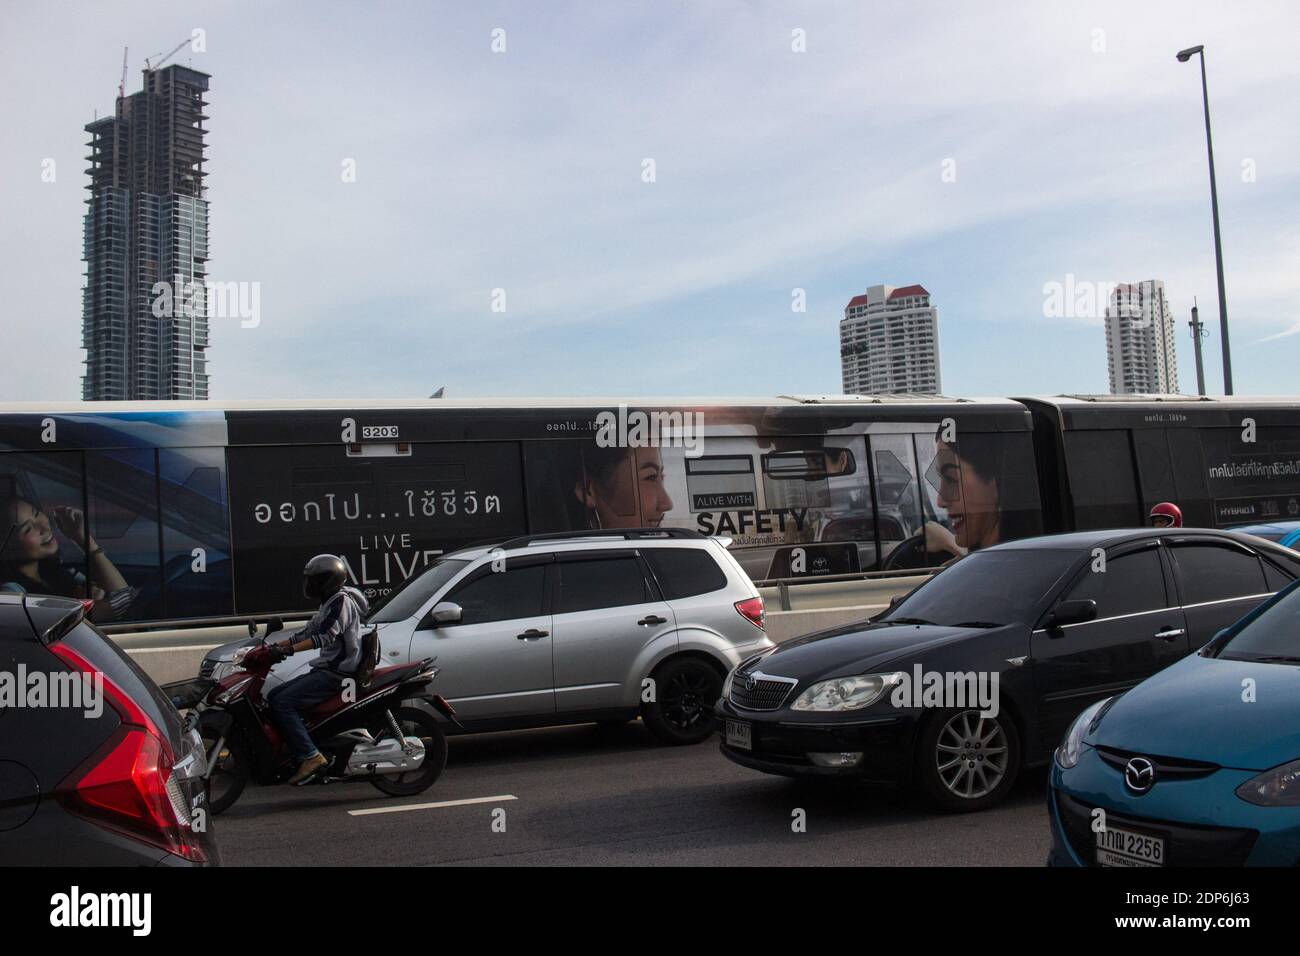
(1166, 515)
(335, 629)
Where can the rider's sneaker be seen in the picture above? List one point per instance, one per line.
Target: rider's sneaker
(308, 768)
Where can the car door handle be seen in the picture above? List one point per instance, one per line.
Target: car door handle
(653, 619)
(532, 634)
(1169, 633)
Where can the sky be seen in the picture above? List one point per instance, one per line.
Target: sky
(416, 209)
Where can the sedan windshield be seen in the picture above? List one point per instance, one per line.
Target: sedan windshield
(985, 589)
(409, 596)
(1272, 638)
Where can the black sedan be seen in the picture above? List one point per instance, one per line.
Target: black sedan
(979, 671)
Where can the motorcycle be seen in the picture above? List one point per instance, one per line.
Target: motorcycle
(374, 730)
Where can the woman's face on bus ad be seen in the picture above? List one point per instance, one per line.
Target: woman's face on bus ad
(970, 500)
(637, 481)
(32, 537)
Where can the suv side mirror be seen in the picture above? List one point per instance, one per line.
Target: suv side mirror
(1071, 612)
(445, 612)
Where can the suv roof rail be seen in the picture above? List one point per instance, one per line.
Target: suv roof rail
(524, 541)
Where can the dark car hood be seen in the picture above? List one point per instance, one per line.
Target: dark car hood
(858, 648)
(1195, 710)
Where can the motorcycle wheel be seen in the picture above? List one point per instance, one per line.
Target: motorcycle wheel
(414, 723)
(230, 770)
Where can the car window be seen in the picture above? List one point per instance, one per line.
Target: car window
(1212, 573)
(608, 582)
(409, 596)
(999, 586)
(1274, 634)
(1131, 583)
(1274, 578)
(685, 572)
(501, 595)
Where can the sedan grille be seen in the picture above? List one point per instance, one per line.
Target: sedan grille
(766, 693)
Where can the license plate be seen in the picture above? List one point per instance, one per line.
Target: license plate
(1117, 846)
(738, 735)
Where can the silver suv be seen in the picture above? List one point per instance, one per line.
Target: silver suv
(571, 628)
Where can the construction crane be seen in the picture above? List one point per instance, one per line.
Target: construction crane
(121, 86)
(148, 65)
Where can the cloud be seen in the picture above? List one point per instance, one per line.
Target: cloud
(522, 171)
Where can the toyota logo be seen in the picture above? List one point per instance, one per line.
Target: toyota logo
(1140, 774)
(750, 682)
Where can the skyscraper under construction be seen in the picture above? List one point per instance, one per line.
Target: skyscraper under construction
(144, 306)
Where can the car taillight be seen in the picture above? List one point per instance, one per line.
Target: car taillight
(752, 611)
(127, 784)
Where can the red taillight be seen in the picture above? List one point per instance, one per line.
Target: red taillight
(127, 783)
(752, 611)
(127, 709)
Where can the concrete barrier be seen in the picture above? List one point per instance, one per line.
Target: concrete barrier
(787, 625)
(175, 655)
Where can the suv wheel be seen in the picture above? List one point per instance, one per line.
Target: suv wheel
(685, 691)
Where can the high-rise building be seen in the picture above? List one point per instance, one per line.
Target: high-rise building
(889, 342)
(1140, 340)
(144, 306)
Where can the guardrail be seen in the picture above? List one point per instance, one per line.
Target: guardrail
(227, 620)
(783, 585)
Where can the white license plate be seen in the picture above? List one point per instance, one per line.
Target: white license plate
(738, 735)
(1117, 846)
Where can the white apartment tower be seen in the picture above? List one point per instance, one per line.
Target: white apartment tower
(889, 342)
(1140, 340)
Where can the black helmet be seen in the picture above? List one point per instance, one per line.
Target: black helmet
(323, 575)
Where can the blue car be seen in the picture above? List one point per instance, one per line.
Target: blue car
(1285, 533)
(1198, 765)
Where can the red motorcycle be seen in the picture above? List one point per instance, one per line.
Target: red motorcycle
(378, 729)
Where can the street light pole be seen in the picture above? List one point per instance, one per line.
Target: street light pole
(1198, 333)
(1183, 57)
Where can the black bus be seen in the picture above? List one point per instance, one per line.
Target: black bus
(208, 510)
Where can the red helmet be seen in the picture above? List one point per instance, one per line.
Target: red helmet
(1166, 515)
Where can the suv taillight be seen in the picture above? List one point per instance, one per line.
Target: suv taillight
(127, 784)
(752, 611)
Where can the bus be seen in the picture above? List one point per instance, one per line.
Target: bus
(204, 512)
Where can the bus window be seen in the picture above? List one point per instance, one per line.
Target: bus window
(196, 537)
(1154, 470)
(42, 525)
(1103, 485)
(897, 494)
(719, 482)
(122, 490)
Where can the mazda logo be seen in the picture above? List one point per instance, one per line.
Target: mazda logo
(1140, 774)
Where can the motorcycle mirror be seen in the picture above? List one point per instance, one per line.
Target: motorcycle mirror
(273, 625)
(252, 629)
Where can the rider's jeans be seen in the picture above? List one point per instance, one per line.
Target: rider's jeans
(291, 698)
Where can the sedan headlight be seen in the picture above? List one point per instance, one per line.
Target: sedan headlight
(1067, 755)
(1279, 787)
(846, 693)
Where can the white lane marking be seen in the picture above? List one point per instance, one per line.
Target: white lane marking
(432, 806)
(168, 650)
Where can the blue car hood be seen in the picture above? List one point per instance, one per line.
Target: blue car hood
(1195, 710)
